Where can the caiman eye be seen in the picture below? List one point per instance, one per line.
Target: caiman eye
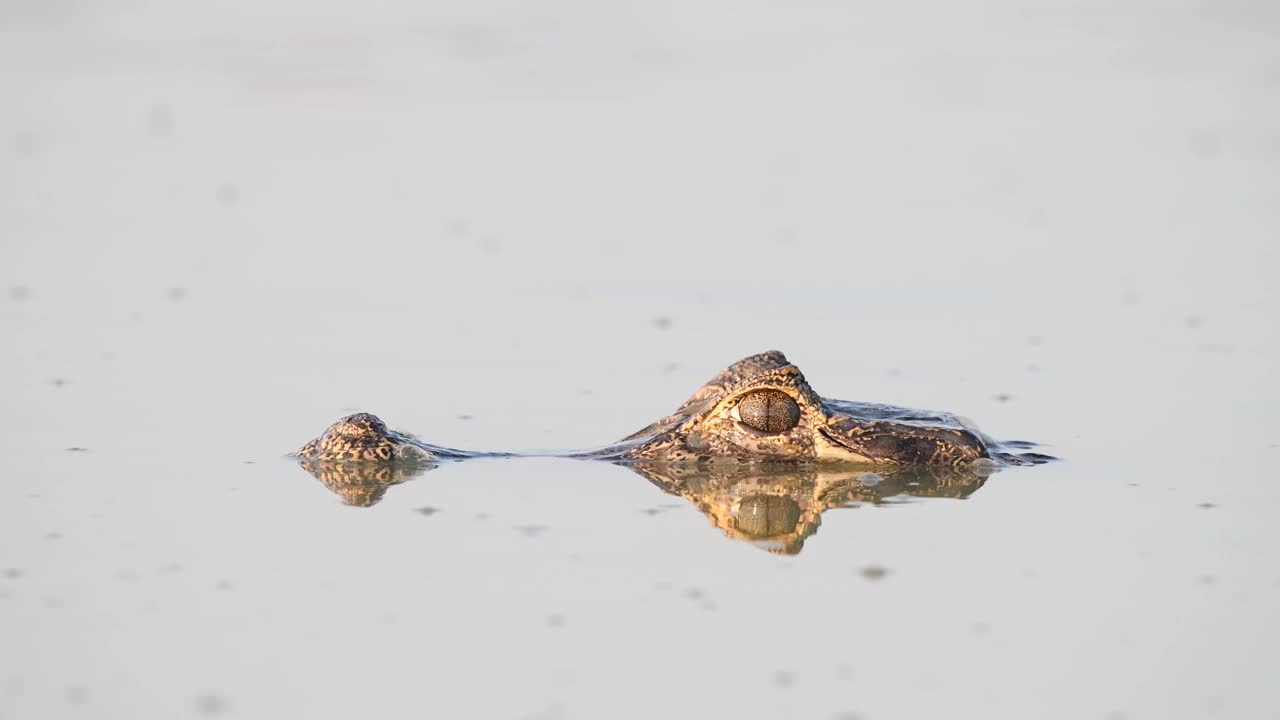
(771, 411)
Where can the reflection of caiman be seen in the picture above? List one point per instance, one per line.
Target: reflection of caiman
(777, 507)
(758, 410)
(773, 506)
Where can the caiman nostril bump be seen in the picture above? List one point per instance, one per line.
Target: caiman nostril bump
(361, 436)
(360, 425)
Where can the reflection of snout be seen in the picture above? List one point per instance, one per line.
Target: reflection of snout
(762, 516)
(361, 484)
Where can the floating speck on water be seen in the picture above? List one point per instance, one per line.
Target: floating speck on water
(250, 462)
(160, 121)
(1193, 321)
(176, 294)
(76, 695)
(466, 417)
(662, 322)
(1206, 506)
(12, 573)
(555, 621)
(1207, 579)
(670, 368)
(874, 572)
(482, 516)
(893, 372)
(1035, 340)
(456, 227)
(19, 292)
(694, 593)
(651, 511)
(77, 449)
(981, 629)
(530, 530)
(427, 510)
(1003, 397)
(783, 678)
(226, 195)
(53, 536)
(1203, 143)
(58, 382)
(210, 704)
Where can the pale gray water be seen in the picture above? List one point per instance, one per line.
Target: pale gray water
(224, 225)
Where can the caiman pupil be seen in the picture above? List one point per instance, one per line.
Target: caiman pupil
(771, 411)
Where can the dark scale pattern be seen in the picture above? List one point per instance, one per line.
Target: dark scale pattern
(758, 410)
(363, 437)
(762, 410)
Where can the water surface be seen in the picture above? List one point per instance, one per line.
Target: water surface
(518, 228)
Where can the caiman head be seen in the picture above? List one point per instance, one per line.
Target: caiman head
(364, 437)
(761, 409)
(360, 437)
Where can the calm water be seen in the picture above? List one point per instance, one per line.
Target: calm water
(517, 227)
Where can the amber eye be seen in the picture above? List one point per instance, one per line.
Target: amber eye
(770, 411)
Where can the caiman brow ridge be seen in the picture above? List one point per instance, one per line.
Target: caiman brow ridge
(759, 410)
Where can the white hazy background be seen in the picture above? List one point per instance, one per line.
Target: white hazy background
(222, 225)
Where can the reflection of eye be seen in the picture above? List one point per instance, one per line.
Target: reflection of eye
(770, 411)
(763, 516)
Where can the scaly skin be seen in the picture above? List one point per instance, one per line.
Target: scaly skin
(758, 410)
(762, 410)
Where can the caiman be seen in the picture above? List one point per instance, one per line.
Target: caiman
(755, 449)
(758, 410)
